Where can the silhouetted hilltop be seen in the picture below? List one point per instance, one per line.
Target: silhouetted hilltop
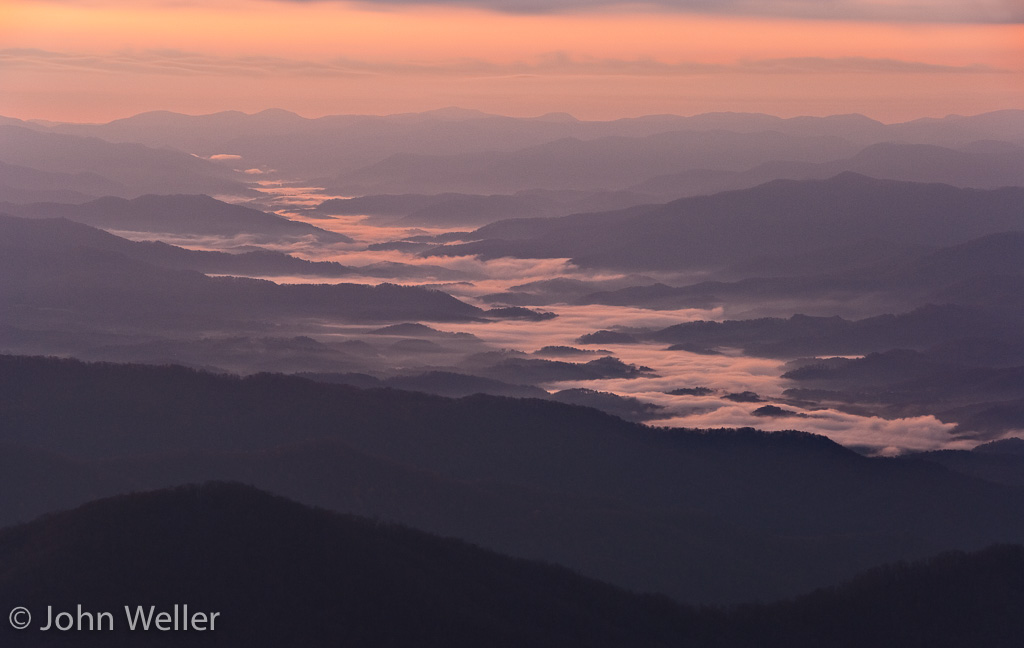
(955, 600)
(283, 574)
(278, 573)
(625, 407)
(413, 329)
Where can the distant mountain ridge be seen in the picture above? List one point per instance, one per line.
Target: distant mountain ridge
(783, 217)
(335, 144)
(981, 165)
(596, 164)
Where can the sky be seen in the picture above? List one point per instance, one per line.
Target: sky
(893, 60)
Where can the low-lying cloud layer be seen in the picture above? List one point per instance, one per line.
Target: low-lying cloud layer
(912, 11)
(173, 62)
(923, 11)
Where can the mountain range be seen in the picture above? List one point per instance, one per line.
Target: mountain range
(263, 571)
(781, 218)
(98, 166)
(761, 516)
(185, 215)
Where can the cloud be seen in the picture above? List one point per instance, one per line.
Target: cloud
(174, 62)
(898, 11)
(169, 62)
(905, 11)
(873, 434)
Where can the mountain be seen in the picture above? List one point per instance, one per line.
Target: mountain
(228, 563)
(983, 167)
(441, 383)
(61, 234)
(139, 169)
(19, 184)
(592, 165)
(803, 335)
(179, 215)
(458, 385)
(864, 276)
(980, 164)
(277, 573)
(55, 234)
(997, 461)
(984, 401)
(460, 210)
(781, 217)
(80, 278)
(954, 599)
(277, 139)
(708, 516)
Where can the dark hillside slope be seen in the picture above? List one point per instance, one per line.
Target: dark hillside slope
(280, 574)
(762, 515)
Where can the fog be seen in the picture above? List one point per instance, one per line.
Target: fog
(727, 371)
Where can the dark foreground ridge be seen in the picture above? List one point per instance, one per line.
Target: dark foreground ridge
(714, 516)
(281, 574)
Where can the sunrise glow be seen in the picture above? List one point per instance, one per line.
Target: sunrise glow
(89, 61)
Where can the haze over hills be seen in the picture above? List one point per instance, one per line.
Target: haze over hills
(187, 215)
(285, 144)
(20, 184)
(549, 481)
(726, 358)
(471, 210)
(782, 218)
(57, 234)
(869, 276)
(611, 162)
(139, 169)
(59, 274)
(449, 131)
(980, 164)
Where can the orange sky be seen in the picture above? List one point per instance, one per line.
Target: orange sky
(95, 60)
